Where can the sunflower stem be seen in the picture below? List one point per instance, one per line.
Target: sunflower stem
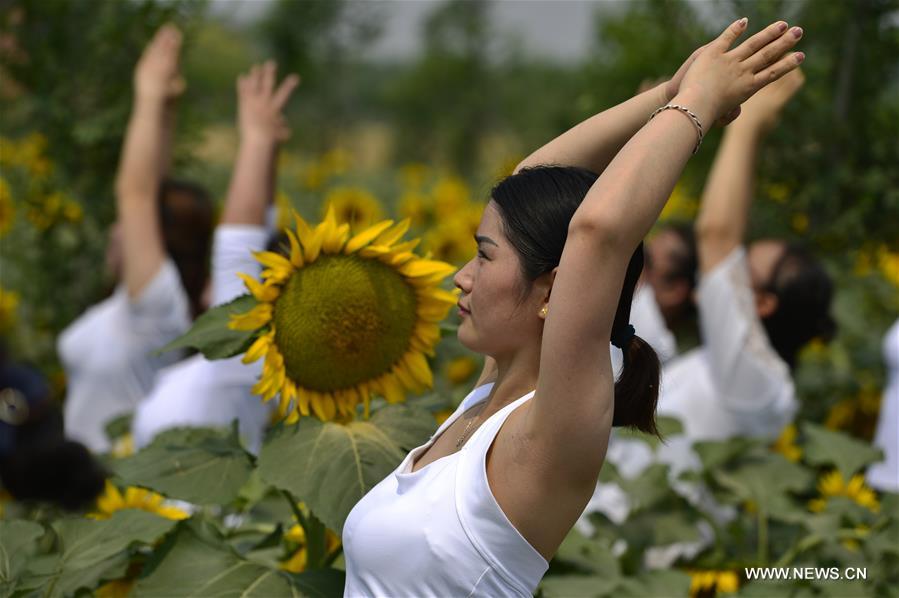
(295, 507)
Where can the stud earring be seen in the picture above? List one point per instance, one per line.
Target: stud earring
(544, 311)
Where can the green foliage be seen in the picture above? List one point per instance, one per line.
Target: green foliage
(210, 333)
(193, 464)
(18, 543)
(200, 563)
(95, 550)
(334, 465)
(827, 447)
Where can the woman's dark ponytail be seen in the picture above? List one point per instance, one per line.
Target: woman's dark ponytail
(637, 389)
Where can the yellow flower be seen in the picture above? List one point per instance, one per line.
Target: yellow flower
(298, 560)
(72, 211)
(451, 241)
(681, 205)
(331, 163)
(353, 205)
(134, 498)
(840, 415)
(414, 206)
(9, 304)
(832, 484)
(343, 317)
(413, 175)
(123, 446)
(799, 222)
(777, 192)
(710, 582)
(888, 264)
(786, 444)
(117, 588)
(442, 415)
(7, 208)
(460, 369)
(450, 195)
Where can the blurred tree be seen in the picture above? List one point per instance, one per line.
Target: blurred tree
(72, 72)
(321, 40)
(444, 102)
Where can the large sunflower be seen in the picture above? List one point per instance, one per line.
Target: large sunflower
(344, 317)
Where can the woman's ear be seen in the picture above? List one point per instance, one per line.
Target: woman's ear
(766, 303)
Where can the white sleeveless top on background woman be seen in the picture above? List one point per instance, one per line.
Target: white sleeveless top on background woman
(439, 531)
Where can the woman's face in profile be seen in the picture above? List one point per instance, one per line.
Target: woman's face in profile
(491, 283)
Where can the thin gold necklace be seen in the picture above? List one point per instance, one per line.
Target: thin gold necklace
(465, 432)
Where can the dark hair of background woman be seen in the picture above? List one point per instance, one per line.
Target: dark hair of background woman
(804, 292)
(187, 219)
(536, 206)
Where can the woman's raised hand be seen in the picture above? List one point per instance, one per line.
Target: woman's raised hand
(157, 76)
(260, 103)
(720, 78)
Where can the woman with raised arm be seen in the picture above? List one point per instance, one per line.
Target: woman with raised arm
(482, 507)
(757, 304)
(199, 392)
(158, 252)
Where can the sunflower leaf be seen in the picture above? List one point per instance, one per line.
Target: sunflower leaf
(17, 543)
(210, 334)
(331, 466)
(198, 465)
(200, 563)
(825, 446)
(95, 550)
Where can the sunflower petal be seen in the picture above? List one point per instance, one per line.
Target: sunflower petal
(304, 231)
(394, 233)
(273, 260)
(256, 318)
(418, 367)
(296, 252)
(367, 236)
(264, 293)
(258, 349)
(423, 268)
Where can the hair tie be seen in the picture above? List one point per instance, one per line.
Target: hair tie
(621, 340)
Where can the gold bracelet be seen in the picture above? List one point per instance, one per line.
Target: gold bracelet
(693, 118)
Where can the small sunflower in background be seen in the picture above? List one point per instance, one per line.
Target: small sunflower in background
(353, 205)
(112, 500)
(7, 209)
(832, 484)
(343, 317)
(711, 583)
(296, 535)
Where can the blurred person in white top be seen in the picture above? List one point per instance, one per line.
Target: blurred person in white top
(157, 252)
(197, 391)
(884, 475)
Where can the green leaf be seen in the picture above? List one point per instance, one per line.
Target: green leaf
(824, 447)
(200, 563)
(656, 583)
(194, 464)
(577, 586)
(761, 480)
(320, 583)
(588, 555)
(210, 333)
(331, 466)
(648, 488)
(18, 541)
(715, 454)
(89, 548)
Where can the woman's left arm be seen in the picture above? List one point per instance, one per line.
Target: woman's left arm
(574, 397)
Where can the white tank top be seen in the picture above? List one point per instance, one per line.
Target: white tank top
(439, 531)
